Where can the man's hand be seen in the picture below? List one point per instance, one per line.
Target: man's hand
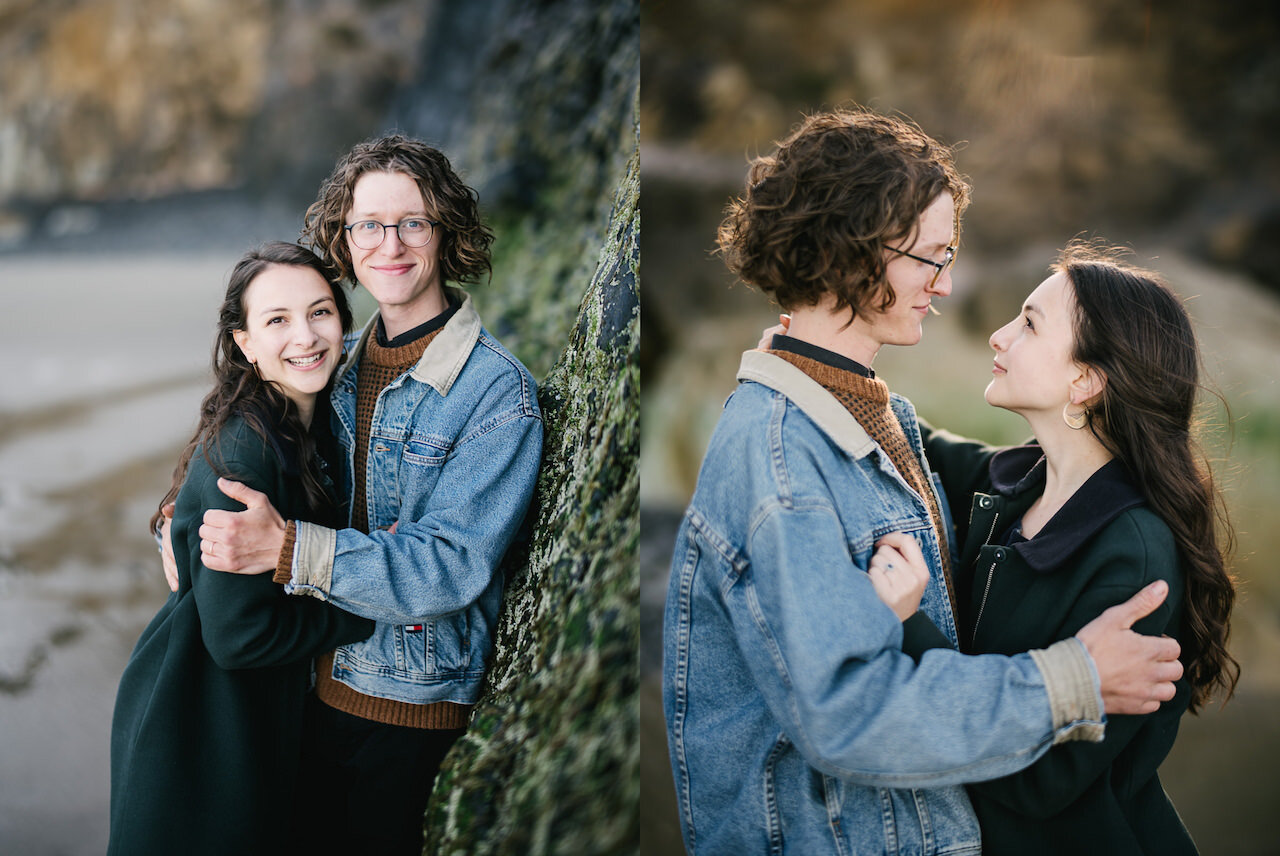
(1137, 672)
(166, 547)
(242, 542)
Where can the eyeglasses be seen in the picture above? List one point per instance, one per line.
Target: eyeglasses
(938, 267)
(413, 232)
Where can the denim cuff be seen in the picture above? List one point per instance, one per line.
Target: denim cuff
(1075, 699)
(313, 551)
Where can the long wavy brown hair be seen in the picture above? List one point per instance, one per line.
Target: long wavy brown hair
(239, 391)
(819, 212)
(1132, 327)
(464, 238)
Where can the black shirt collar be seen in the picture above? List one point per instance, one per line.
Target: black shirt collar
(1106, 495)
(408, 337)
(822, 355)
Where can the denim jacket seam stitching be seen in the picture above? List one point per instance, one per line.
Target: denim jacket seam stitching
(681, 684)
(497, 350)
(776, 842)
(492, 424)
(723, 546)
(777, 453)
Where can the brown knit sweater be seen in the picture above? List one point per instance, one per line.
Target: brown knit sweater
(379, 366)
(867, 399)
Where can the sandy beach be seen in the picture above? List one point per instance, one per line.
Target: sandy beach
(108, 357)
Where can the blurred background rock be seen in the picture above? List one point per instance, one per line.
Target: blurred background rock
(1153, 125)
(143, 147)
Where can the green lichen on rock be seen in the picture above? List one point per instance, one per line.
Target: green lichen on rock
(545, 149)
(550, 763)
(537, 106)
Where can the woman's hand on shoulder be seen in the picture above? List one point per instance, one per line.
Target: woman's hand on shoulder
(898, 573)
(166, 546)
(779, 329)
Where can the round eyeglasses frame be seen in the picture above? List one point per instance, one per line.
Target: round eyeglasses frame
(938, 267)
(409, 240)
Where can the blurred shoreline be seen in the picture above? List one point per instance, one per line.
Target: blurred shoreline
(200, 221)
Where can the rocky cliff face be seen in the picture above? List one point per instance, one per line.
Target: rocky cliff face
(1072, 115)
(542, 116)
(107, 99)
(534, 103)
(119, 96)
(550, 763)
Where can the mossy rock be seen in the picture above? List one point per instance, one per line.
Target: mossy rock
(550, 762)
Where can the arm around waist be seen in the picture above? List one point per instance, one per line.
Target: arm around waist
(825, 653)
(442, 561)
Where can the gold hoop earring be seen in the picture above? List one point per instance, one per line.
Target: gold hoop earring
(1075, 421)
(256, 370)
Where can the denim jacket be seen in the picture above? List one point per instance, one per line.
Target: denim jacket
(454, 450)
(795, 722)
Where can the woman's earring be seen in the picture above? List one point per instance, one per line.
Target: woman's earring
(1075, 421)
(256, 370)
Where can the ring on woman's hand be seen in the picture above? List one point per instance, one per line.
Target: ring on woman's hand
(888, 567)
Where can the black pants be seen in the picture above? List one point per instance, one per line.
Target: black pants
(364, 786)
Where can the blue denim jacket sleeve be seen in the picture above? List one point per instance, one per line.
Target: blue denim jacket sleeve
(853, 703)
(454, 549)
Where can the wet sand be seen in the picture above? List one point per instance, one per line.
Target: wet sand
(107, 358)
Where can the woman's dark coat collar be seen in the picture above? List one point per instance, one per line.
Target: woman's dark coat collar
(1106, 495)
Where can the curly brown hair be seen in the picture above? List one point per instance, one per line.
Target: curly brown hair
(819, 212)
(464, 238)
(1135, 330)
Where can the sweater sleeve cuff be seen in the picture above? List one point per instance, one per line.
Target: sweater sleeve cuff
(284, 563)
(1075, 698)
(919, 634)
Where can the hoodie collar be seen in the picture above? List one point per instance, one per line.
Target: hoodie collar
(1019, 472)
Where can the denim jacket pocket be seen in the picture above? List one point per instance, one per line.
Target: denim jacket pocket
(447, 644)
(863, 544)
(426, 452)
(420, 463)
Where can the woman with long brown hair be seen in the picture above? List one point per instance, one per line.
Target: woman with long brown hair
(1112, 495)
(204, 740)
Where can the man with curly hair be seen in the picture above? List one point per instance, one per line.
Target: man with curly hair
(441, 439)
(795, 721)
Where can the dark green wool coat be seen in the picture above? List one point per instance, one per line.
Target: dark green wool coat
(1014, 595)
(204, 740)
